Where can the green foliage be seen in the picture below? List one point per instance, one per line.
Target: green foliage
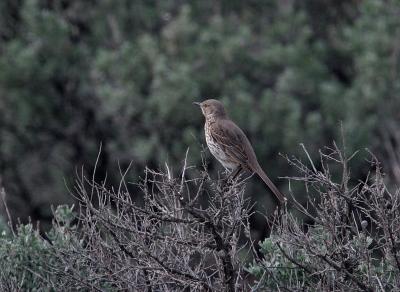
(277, 270)
(3, 227)
(26, 257)
(77, 73)
(373, 98)
(23, 259)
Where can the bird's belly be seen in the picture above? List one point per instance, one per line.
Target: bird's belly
(220, 154)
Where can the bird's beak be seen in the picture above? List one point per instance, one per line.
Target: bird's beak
(197, 103)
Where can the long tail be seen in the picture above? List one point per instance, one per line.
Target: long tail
(281, 197)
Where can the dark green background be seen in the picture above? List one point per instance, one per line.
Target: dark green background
(125, 73)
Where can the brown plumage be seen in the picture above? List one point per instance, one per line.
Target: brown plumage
(230, 146)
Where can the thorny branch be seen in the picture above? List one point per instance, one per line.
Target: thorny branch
(186, 235)
(350, 234)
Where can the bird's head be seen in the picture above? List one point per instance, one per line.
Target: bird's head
(212, 108)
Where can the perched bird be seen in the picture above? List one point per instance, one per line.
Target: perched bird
(229, 144)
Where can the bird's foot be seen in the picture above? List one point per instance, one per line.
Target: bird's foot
(225, 184)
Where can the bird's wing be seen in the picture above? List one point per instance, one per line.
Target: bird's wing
(236, 145)
(232, 139)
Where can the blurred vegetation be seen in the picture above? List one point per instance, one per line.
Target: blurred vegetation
(74, 74)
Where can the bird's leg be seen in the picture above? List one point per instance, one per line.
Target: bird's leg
(236, 172)
(231, 177)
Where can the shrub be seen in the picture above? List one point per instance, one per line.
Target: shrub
(185, 235)
(350, 240)
(24, 258)
(192, 233)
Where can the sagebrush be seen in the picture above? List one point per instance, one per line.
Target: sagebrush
(191, 232)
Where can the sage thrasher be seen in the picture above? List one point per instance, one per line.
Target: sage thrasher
(230, 146)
